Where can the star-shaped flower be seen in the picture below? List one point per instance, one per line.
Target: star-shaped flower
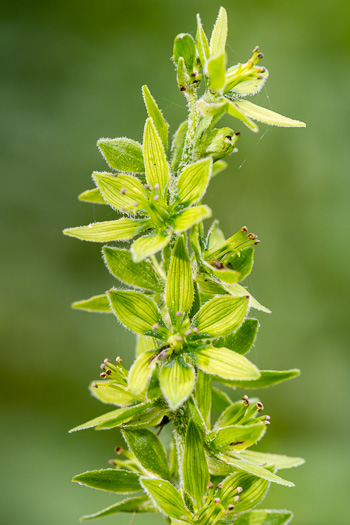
(156, 208)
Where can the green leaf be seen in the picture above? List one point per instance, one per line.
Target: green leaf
(278, 460)
(137, 504)
(216, 68)
(166, 497)
(93, 196)
(242, 340)
(97, 303)
(148, 451)
(178, 145)
(218, 166)
(233, 413)
(264, 517)
(253, 491)
(176, 382)
(122, 154)
(194, 466)
(235, 110)
(157, 169)
(186, 219)
(140, 372)
(179, 285)
(251, 468)
(267, 116)
(220, 316)
(119, 230)
(236, 437)
(219, 34)
(138, 312)
(193, 181)
(202, 42)
(215, 236)
(184, 47)
(149, 244)
(212, 106)
(111, 393)
(112, 480)
(113, 418)
(267, 378)
(155, 113)
(121, 191)
(122, 266)
(225, 363)
(203, 395)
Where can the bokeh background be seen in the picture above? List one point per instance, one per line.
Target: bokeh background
(71, 72)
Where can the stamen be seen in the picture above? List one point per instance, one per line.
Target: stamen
(239, 490)
(210, 485)
(107, 360)
(188, 332)
(230, 507)
(123, 191)
(94, 385)
(178, 338)
(123, 210)
(156, 186)
(156, 197)
(219, 486)
(119, 450)
(102, 366)
(109, 372)
(146, 186)
(235, 499)
(103, 375)
(217, 501)
(259, 406)
(155, 326)
(195, 330)
(119, 359)
(244, 229)
(178, 314)
(111, 461)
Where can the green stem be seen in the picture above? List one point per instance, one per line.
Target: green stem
(180, 421)
(193, 120)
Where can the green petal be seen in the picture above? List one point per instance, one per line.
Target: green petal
(122, 154)
(179, 285)
(166, 497)
(218, 166)
(254, 490)
(225, 364)
(267, 378)
(157, 169)
(264, 517)
(203, 395)
(97, 303)
(177, 145)
(221, 401)
(184, 47)
(186, 219)
(149, 245)
(149, 418)
(219, 34)
(112, 480)
(242, 340)
(256, 470)
(236, 437)
(137, 504)
(94, 196)
(120, 191)
(122, 266)
(251, 86)
(111, 393)
(194, 465)
(155, 113)
(148, 451)
(278, 460)
(144, 343)
(140, 372)
(267, 116)
(242, 262)
(193, 182)
(235, 110)
(202, 43)
(220, 316)
(119, 230)
(237, 290)
(176, 382)
(137, 312)
(115, 417)
(216, 69)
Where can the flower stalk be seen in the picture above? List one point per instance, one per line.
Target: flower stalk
(183, 294)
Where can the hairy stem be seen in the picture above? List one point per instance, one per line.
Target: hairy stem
(193, 120)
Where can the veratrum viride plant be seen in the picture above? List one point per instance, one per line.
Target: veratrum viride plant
(182, 293)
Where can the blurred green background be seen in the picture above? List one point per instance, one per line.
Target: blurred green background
(71, 72)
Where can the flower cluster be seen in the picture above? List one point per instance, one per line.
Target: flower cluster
(182, 294)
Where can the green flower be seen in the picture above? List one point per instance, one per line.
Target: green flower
(155, 207)
(182, 333)
(227, 88)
